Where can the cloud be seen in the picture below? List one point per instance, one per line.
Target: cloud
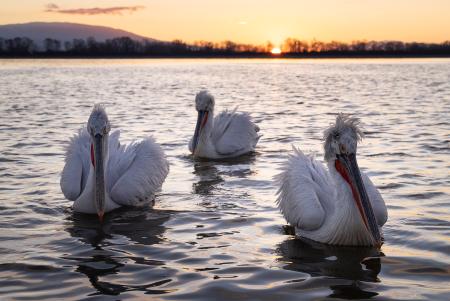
(51, 6)
(115, 10)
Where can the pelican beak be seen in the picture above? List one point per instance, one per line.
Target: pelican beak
(201, 121)
(97, 153)
(347, 166)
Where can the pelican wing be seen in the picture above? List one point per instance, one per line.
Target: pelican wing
(304, 187)
(234, 133)
(76, 169)
(376, 200)
(136, 172)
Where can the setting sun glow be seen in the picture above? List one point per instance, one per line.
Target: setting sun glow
(248, 21)
(276, 51)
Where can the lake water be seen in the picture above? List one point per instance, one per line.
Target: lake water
(215, 232)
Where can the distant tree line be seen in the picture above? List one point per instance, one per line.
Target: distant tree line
(127, 47)
(372, 48)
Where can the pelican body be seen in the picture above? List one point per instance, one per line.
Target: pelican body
(101, 175)
(228, 135)
(338, 206)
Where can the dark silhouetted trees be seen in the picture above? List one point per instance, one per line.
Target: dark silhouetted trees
(295, 47)
(19, 46)
(127, 47)
(52, 45)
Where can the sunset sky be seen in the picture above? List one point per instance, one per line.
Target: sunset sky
(249, 21)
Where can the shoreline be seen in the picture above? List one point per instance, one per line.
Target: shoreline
(275, 57)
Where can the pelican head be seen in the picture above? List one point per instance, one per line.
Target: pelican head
(204, 104)
(98, 127)
(342, 137)
(341, 140)
(204, 101)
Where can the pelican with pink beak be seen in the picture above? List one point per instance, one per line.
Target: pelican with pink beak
(230, 134)
(101, 174)
(338, 206)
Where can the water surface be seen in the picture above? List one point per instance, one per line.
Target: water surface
(215, 232)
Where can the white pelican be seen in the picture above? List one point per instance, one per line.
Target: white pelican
(228, 135)
(100, 174)
(340, 206)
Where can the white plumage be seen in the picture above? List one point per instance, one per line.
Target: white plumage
(320, 203)
(229, 134)
(133, 173)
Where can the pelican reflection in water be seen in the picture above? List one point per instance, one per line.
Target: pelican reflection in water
(212, 173)
(352, 268)
(103, 258)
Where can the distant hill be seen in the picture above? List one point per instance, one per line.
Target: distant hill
(38, 31)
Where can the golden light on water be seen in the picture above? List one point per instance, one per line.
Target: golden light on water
(276, 51)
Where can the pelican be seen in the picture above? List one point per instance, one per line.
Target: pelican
(340, 206)
(101, 175)
(228, 135)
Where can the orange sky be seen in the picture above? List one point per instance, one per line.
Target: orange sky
(249, 21)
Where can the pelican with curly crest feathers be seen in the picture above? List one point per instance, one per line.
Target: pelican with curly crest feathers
(340, 206)
(101, 175)
(228, 135)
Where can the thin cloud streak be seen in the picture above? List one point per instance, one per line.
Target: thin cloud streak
(115, 10)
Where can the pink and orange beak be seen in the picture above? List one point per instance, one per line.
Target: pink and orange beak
(201, 121)
(97, 162)
(347, 166)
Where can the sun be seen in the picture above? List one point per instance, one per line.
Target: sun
(276, 51)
